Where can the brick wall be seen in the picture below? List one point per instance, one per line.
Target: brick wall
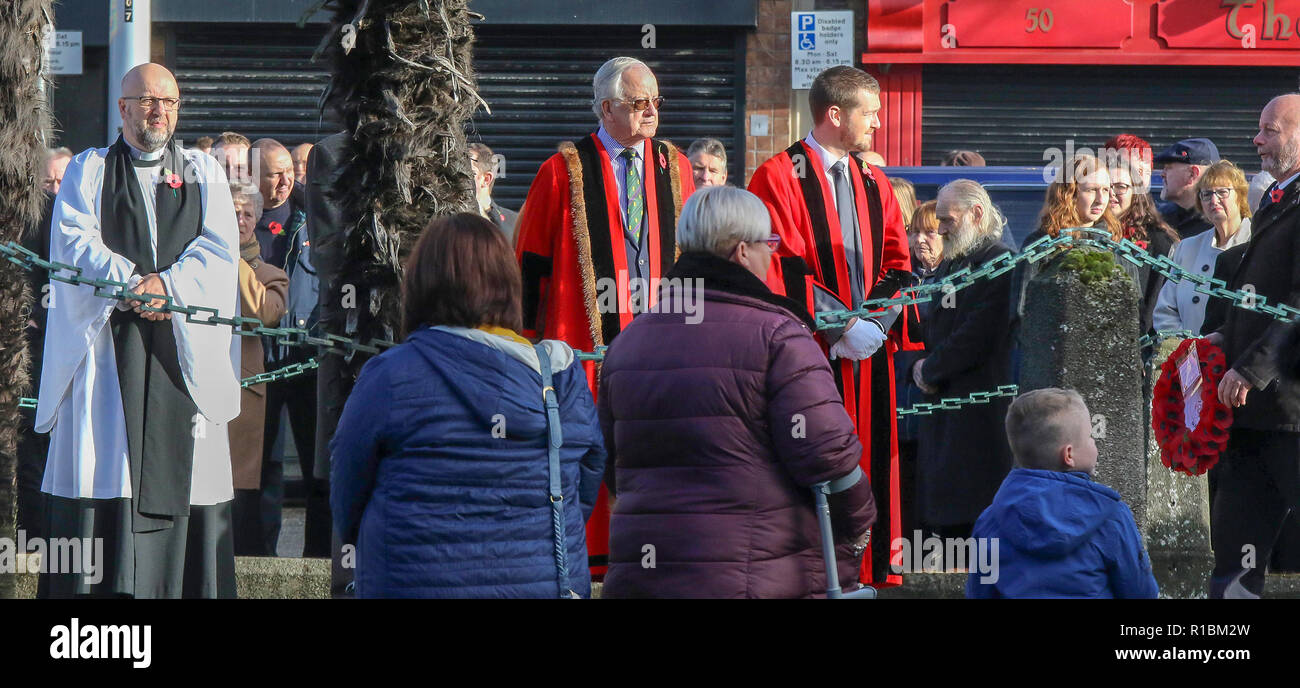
(767, 72)
(767, 82)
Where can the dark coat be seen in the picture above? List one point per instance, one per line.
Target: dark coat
(275, 247)
(1216, 309)
(908, 393)
(439, 503)
(504, 219)
(716, 429)
(1257, 346)
(1186, 221)
(325, 217)
(963, 453)
(1060, 534)
(1149, 281)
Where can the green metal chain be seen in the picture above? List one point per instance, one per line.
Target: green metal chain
(1162, 335)
(244, 327)
(1040, 249)
(924, 409)
(284, 373)
(1037, 251)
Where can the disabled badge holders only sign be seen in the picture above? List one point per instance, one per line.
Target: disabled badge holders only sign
(818, 40)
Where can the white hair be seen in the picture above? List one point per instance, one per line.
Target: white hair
(968, 193)
(246, 193)
(716, 218)
(1258, 185)
(608, 83)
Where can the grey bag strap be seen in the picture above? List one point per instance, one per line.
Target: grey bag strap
(554, 440)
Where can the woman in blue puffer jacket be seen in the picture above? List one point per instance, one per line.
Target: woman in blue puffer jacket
(440, 471)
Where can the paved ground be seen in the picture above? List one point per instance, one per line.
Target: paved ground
(293, 513)
(291, 530)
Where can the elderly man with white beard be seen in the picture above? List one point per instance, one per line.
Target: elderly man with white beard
(963, 454)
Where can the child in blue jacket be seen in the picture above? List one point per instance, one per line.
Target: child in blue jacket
(1060, 534)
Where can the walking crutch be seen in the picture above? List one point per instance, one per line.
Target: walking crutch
(833, 592)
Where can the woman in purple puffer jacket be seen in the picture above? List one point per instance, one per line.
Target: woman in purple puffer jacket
(719, 411)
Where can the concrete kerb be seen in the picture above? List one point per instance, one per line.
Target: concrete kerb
(258, 578)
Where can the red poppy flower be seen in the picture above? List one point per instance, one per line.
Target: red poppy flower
(663, 162)
(276, 228)
(173, 180)
(1275, 195)
(1191, 450)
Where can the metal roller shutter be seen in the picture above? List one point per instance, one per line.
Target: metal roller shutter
(538, 82)
(259, 81)
(1012, 114)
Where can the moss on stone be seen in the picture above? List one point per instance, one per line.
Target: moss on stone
(1092, 266)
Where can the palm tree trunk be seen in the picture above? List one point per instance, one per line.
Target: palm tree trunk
(24, 124)
(404, 85)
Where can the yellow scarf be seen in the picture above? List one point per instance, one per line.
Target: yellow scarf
(504, 332)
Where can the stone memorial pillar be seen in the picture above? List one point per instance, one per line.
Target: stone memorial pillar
(1080, 332)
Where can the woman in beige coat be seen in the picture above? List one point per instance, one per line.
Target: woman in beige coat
(263, 290)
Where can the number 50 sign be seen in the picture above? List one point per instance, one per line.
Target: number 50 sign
(1039, 24)
(1039, 19)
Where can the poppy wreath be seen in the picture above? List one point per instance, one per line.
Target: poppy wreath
(1191, 450)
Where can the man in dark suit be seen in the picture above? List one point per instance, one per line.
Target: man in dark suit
(336, 375)
(1259, 479)
(486, 168)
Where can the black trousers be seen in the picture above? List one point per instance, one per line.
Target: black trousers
(298, 395)
(33, 449)
(1258, 486)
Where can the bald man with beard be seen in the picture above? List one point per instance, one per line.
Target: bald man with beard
(136, 402)
(1259, 471)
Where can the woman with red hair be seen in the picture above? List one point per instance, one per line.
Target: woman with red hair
(1079, 197)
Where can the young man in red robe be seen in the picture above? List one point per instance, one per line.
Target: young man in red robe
(598, 229)
(843, 241)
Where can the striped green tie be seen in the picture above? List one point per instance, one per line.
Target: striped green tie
(635, 202)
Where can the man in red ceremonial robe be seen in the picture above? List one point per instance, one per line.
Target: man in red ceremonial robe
(598, 229)
(843, 241)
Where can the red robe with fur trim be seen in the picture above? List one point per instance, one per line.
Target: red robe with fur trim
(570, 246)
(812, 253)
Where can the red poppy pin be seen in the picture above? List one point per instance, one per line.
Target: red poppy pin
(663, 162)
(276, 228)
(173, 180)
(1275, 195)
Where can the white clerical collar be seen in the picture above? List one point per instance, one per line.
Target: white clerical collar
(827, 160)
(141, 155)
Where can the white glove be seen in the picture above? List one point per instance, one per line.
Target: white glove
(859, 341)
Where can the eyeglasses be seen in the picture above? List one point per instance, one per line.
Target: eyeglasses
(1221, 193)
(642, 103)
(773, 241)
(147, 102)
(1120, 189)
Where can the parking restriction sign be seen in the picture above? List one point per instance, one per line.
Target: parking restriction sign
(818, 40)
